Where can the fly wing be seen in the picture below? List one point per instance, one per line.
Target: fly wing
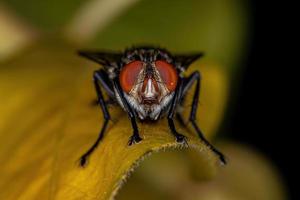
(183, 61)
(106, 59)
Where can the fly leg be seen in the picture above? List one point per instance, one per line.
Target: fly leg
(179, 137)
(98, 78)
(135, 137)
(190, 80)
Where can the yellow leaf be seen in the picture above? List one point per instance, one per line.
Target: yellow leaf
(48, 122)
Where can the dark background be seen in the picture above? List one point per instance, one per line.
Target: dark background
(260, 115)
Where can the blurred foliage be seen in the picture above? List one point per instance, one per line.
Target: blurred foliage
(46, 14)
(171, 175)
(217, 27)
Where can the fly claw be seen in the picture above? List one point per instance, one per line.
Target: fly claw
(147, 83)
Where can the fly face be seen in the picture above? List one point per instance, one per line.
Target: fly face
(149, 86)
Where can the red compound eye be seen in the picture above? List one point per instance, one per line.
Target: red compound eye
(168, 74)
(129, 73)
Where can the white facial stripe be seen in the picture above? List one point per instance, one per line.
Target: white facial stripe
(150, 89)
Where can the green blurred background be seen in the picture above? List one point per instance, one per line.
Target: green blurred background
(217, 27)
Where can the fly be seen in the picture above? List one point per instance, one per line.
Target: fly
(148, 83)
